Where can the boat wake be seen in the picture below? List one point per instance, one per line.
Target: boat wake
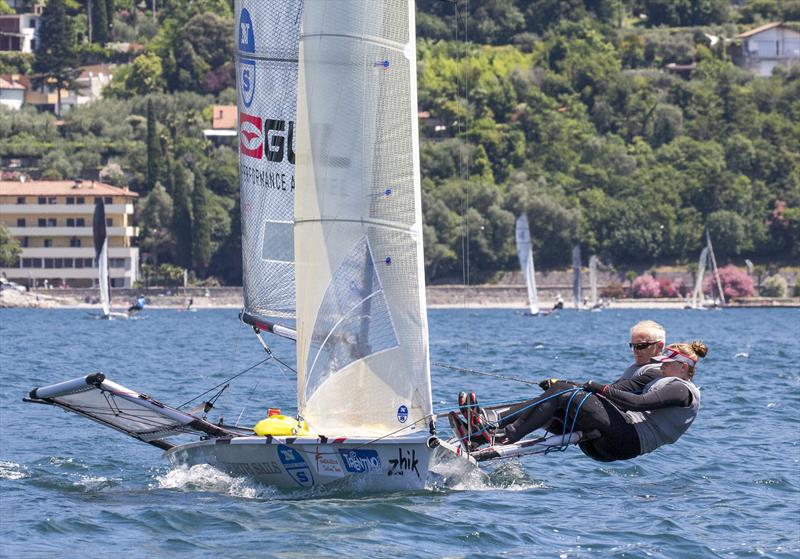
(203, 477)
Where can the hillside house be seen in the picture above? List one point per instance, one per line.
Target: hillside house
(768, 46)
(20, 32)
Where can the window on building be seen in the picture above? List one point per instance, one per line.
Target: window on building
(51, 222)
(52, 200)
(41, 222)
(20, 199)
(70, 199)
(31, 262)
(24, 242)
(21, 222)
(80, 200)
(79, 262)
(108, 200)
(42, 200)
(116, 263)
(58, 262)
(117, 282)
(74, 242)
(48, 262)
(69, 263)
(80, 222)
(109, 221)
(48, 243)
(70, 222)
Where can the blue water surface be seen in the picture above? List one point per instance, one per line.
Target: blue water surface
(728, 488)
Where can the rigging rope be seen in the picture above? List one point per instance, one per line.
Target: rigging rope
(483, 373)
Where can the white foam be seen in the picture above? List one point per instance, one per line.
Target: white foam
(12, 470)
(204, 477)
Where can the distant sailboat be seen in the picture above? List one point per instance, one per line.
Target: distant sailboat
(595, 303)
(101, 256)
(577, 286)
(525, 254)
(698, 296)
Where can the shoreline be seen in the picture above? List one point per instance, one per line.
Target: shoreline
(438, 297)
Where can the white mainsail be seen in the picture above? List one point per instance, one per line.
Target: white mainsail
(593, 260)
(266, 64)
(101, 253)
(697, 293)
(577, 287)
(362, 335)
(525, 254)
(714, 268)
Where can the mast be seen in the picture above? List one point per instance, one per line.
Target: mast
(714, 268)
(362, 337)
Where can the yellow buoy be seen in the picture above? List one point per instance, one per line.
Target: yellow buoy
(281, 426)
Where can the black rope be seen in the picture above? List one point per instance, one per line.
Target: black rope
(227, 380)
(484, 373)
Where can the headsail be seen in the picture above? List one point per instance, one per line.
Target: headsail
(525, 254)
(266, 62)
(697, 293)
(577, 287)
(101, 253)
(362, 333)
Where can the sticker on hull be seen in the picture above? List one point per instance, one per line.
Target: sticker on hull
(295, 465)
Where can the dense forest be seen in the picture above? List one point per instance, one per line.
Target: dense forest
(564, 110)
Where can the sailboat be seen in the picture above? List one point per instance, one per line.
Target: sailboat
(354, 234)
(525, 254)
(697, 300)
(100, 235)
(577, 286)
(595, 303)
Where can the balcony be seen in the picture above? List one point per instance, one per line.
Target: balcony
(63, 209)
(51, 232)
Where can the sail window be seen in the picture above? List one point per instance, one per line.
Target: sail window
(353, 321)
(278, 242)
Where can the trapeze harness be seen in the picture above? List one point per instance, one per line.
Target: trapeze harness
(633, 416)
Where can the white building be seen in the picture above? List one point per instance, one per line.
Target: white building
(12, 93)
(52, 220)
(768, 46)
(20, 32)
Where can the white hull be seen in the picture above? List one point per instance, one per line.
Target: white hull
(389, 464)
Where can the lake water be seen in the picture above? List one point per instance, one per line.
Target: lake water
(728, 488)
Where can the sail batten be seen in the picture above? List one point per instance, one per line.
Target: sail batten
(362, 335)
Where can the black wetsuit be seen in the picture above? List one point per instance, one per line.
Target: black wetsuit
(555, 409)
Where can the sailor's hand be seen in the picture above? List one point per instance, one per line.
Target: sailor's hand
(546, 384)
(594, 387)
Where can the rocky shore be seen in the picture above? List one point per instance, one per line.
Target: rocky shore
(438, 296)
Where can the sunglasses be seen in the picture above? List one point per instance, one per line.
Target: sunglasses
(641, 345)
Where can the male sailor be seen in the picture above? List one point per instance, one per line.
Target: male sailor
(137, 306)
(648, 339)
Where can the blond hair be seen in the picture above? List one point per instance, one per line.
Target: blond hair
(653, 329)
(696, 350)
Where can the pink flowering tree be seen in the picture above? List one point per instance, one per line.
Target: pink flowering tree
(735, 282)
(645, 286)
(667, 288)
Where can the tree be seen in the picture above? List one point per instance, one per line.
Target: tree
(182, 218)
(154, 213)
(153, 148)
(9, 248)
(201, 228)
(99, 22)
(56, 58)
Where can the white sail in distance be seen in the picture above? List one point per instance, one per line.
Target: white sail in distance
(268, 36)
(593, 281)
(362, 336)
(101, 253)
(525, 254)
(697, 293)
(577, 287)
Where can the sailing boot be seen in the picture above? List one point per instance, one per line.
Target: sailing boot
(461, 431)
(476, 416)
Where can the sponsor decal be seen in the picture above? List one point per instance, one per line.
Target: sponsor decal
(360, 461)
(402, 411)
(295, 465)
(250, 135)
(247, 66)
(255, 469)
(328, 464)
(406, 461)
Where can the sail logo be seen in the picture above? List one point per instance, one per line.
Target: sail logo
(402, 411)
(279, 136)
(361, 461)
(250, 135)
(247, 66)
(295, 465)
